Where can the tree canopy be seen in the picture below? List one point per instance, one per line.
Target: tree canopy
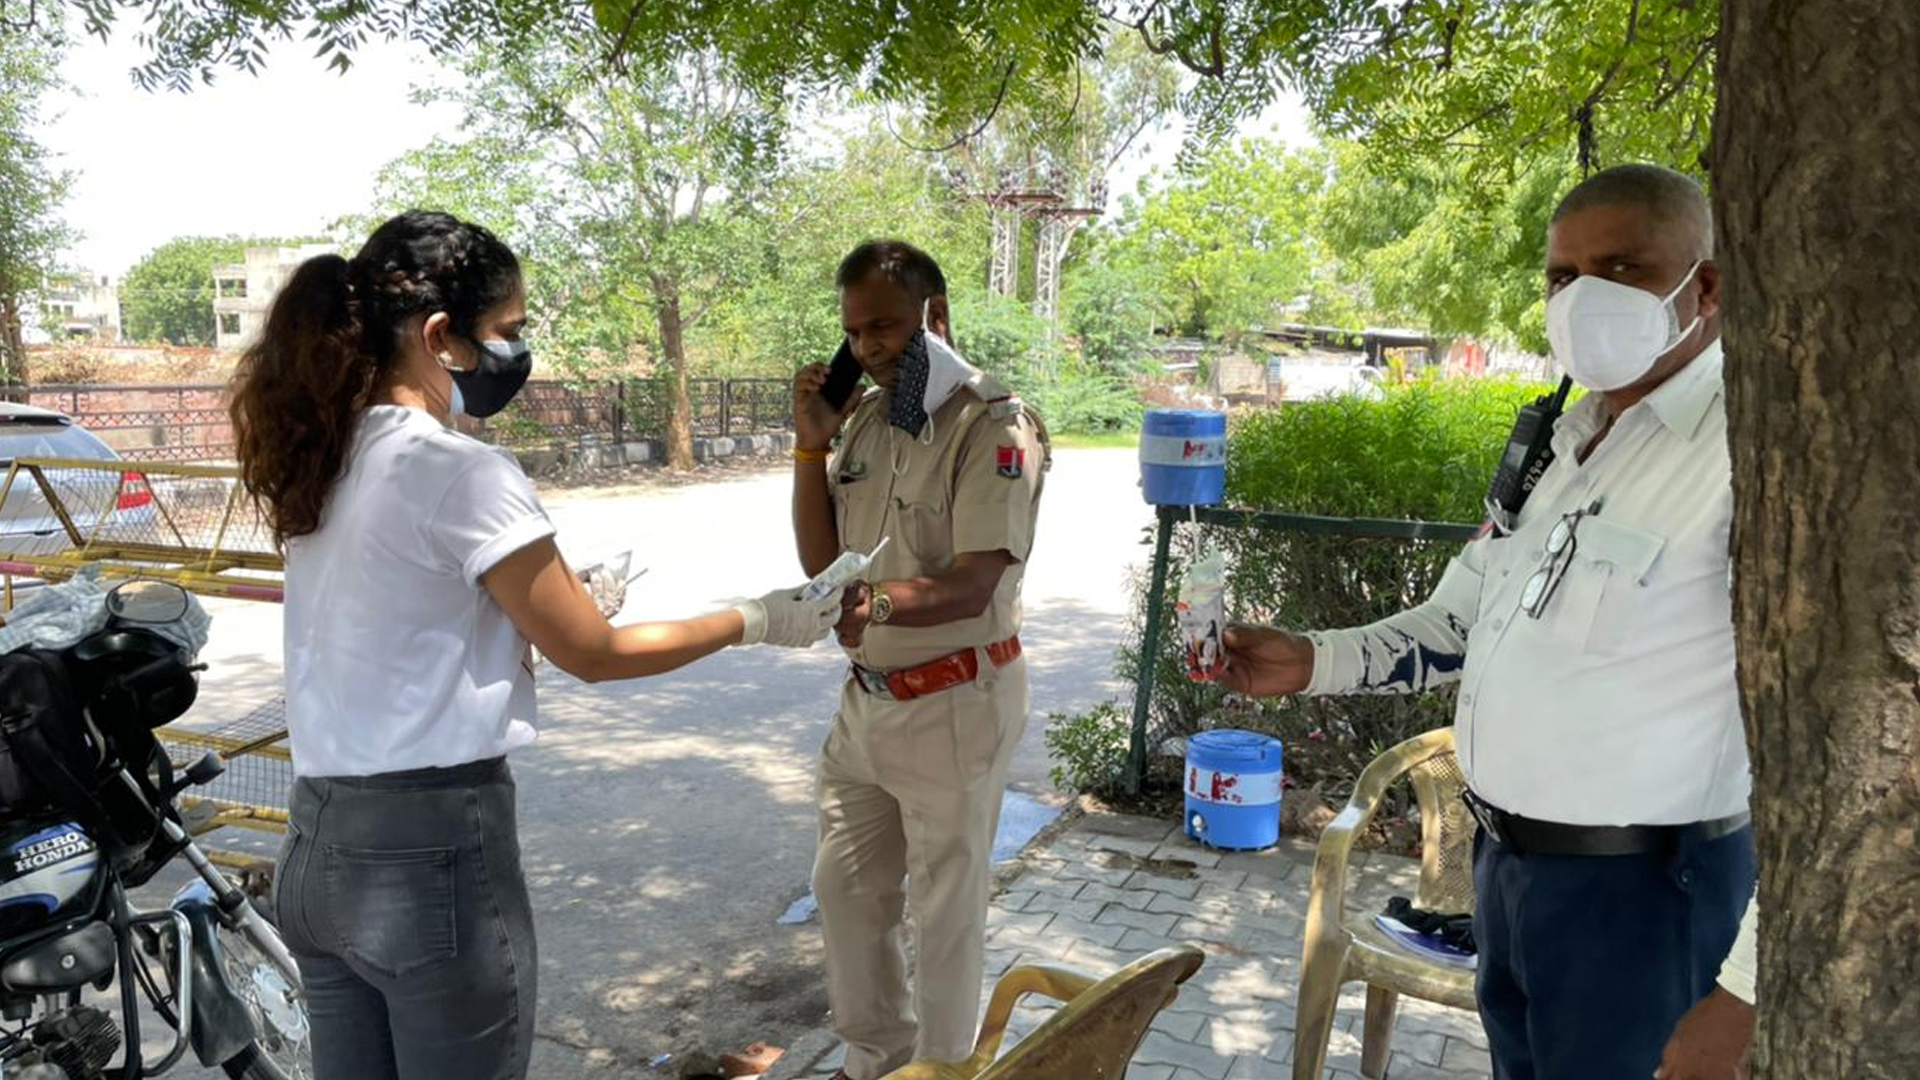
(32, 230)
(1604, 79)
(167, 297)
(1467, 111)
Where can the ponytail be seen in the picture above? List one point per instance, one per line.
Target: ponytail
(331, 343)
(296, 394)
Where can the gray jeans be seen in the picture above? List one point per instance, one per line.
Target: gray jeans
(402, 899)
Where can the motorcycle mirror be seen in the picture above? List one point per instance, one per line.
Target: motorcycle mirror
(148, 602)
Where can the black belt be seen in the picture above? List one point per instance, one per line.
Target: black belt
(1527, 836)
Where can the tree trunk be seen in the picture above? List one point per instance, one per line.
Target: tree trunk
(13, 349)
(1815, 145)
(673, 344)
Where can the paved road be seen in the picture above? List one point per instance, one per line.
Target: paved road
(667, 823)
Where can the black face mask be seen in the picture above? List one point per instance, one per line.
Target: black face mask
(496, 380)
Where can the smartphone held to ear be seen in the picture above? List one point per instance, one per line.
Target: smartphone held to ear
(843, 377)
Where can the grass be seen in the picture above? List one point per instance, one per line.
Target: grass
(1097, 440)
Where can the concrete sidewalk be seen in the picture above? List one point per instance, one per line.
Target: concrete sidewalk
(1110, 888)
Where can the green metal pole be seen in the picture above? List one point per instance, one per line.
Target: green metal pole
(1149, 653)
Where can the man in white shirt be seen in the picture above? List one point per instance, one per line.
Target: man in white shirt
(1598, 721)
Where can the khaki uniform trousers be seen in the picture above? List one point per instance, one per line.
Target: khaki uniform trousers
(909, 799)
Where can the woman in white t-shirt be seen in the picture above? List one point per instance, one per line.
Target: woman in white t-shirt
(419, 567)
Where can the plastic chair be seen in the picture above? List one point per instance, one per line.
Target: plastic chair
(1342, 948)
(1092, 1037)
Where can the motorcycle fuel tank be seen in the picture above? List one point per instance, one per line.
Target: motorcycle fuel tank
(45, 866)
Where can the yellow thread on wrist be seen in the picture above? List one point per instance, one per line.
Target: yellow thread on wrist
(810, 457)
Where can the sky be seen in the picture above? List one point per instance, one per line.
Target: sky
(283, 153)
(291, 150)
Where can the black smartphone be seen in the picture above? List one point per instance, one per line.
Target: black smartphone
(843, 377)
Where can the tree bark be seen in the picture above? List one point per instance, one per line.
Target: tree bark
(673, 344)
(1815, 144)
(13, 348)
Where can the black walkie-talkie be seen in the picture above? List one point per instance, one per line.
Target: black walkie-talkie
(1529, 452)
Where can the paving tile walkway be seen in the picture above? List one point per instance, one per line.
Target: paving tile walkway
(1110, 888)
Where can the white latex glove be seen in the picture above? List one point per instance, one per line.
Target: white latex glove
(779, 619)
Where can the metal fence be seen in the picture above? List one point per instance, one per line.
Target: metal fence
(149, 423)
(189, 422)
(1300, 571)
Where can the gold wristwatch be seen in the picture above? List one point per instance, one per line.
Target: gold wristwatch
(879, 606)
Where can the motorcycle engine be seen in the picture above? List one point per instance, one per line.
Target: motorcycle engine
(79, 1042)
(46, 865)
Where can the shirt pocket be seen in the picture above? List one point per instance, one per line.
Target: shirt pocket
(1500, 561)
(1605, 590)
(926, 528)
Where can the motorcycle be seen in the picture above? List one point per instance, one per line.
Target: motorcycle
(88, 813)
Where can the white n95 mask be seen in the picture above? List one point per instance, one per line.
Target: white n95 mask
(1607, 335)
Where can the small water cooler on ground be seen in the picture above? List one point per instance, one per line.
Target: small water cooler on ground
(1233, 790)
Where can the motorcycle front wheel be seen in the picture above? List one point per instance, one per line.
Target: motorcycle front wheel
(282, 1048)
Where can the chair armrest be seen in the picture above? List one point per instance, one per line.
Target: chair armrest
(1059, 983)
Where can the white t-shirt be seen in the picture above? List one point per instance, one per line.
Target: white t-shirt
(396, 656)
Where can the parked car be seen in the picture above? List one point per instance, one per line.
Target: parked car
(120, 502)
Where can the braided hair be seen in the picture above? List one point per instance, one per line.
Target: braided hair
(332, 343)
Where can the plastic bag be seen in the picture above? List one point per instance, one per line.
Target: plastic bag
(607, 583)
(56, 616)
(1202, 616)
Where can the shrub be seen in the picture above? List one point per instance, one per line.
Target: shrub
(1424, 451)
(1076, 398)
(65, 365)
(517, 429)
(1089, 749)
(999, 335)
(1074, 395)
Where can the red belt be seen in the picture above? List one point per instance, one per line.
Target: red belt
(954, 669)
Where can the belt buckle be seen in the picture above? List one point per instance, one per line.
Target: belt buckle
(1484, 814)
(873, 682)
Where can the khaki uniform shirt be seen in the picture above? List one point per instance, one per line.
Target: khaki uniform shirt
(971, 483)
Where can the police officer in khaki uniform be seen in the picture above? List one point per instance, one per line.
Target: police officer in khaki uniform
(946, 466)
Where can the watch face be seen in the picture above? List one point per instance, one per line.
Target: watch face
(882, 609)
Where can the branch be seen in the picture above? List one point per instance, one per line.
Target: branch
(1446, 43)
(1485, 114)
(1619, 59)
(1700, 54)
(700, 188)
(616, 55)
(700, 310)
(1127, 144)
(1079, 87)
(1215, 69)
(25, 26)
(999, 99)
(1583, 116)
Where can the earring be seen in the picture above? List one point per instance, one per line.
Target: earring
(445, 358)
